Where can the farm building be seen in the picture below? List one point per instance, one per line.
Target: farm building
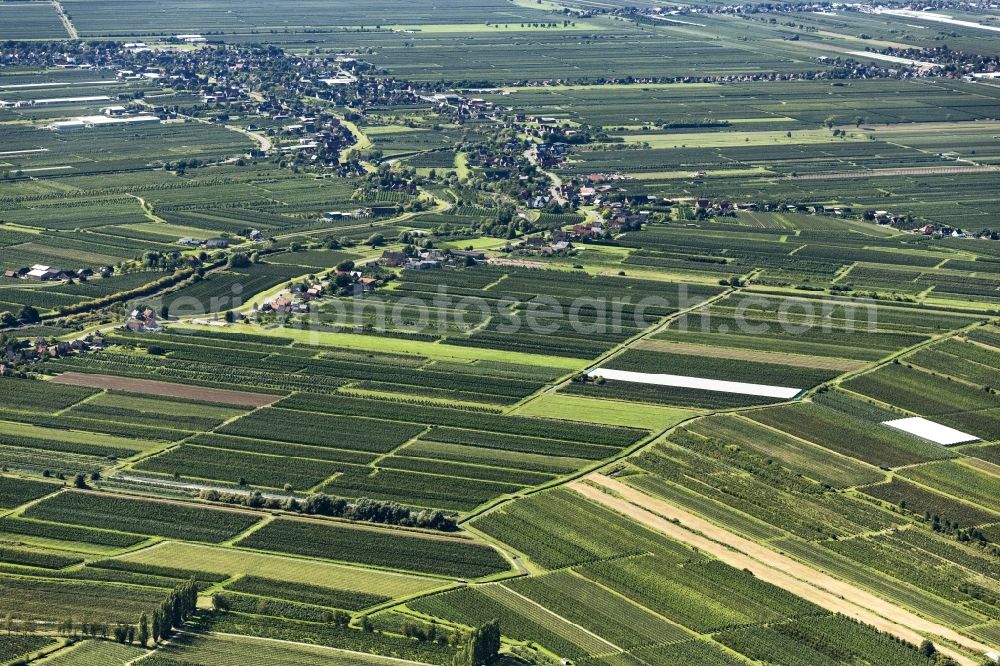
(393, 259)
(40, 272)
(52, 101)
(143, 321)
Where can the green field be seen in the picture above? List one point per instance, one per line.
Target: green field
(241, 562)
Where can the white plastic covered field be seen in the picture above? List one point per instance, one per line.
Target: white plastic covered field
(935, 432)
(680, 381)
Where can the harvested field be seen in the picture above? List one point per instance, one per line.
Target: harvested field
(167, 389)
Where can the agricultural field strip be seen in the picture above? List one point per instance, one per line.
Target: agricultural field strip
(165, 389)
(819, 362)
(935, 432)
(681, 381)
(375, 660)
(232, 561)
(769, 565)
(432, 350)
(560, 618)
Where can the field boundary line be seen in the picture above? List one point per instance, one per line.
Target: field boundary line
(266, 520)
(560, 617)
(18, 511)
(81, 401)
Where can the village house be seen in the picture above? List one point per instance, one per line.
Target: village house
(393, 259)
(431, 255)
(556, 248)
(143, 321)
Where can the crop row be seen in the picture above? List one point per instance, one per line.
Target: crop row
(473, 607)
(312, 633)
(237, 467)
(518, 425)
(560, 529)
(167, 519)
(305, 593)
(15, 492)
(843, 429)
(714, 472)
(256, 445)
(40, 396)
(703, 596)
(37, 558)
(345, 432)
(52, 600)
(413, 488)
(395, 549)
(491, 457)
(460, 470)
(13, 646)
(596, 609)
(821, 641)
(34, 528)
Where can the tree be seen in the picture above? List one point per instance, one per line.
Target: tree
(80, 481)
(8, 319)
(927, 648)
(482, 647)
(157, 629)
(29, 315)
(239, 260)
(220, 602)
(143, 630)
(375, 240)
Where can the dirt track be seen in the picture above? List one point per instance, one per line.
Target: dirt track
(167, 389)
(800, 579)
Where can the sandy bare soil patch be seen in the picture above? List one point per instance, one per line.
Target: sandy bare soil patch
(167, 389)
